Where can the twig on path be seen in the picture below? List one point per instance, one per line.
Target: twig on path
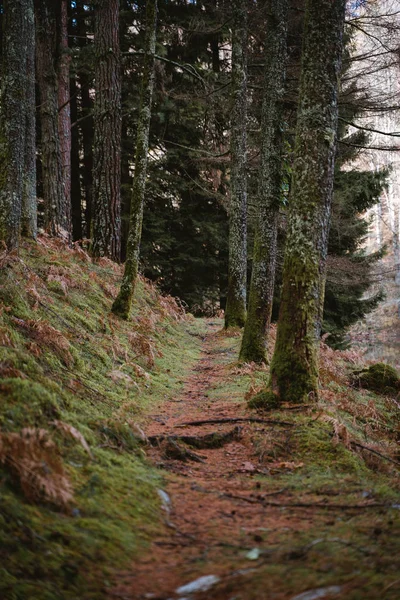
(307, 504)
(236, 420)
(391, 585)
(384, 456)
(297, 407)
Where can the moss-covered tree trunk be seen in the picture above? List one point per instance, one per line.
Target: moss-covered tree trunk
(255, 333)
(57, 212)
(64, 107)
(14, 104)
(294, 367)
(235, 312)
(106, 214)
(29, 200)
(122, 303)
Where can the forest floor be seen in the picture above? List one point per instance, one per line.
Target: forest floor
(276, 511)
(300, 503)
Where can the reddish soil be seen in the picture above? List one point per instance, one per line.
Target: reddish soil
(215, 517)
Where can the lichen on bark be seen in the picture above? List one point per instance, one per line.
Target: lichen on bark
(235, 312)
(294, 367)
(253, 348)
(123, 301)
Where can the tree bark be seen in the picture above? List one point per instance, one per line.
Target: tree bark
(294, 367)
(16, 152)
(29, 200)
(106, 218)
(235, 312)
(57, 212)
(76, 192)
(255, 333)
(87, 131)
(122, 303)
(64, 107)
(84, 129)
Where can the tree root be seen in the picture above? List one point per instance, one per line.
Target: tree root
(174, 451)
(384, 456)
(261, 500)
(236, 420)
(202, 442)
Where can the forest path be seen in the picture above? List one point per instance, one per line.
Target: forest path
(228, 516)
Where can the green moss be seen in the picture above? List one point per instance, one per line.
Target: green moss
(294, 377)
(381, 378)
(45, 554)
(121, 435)
(26, 403)
(265, 400)
(253, 348)
(316, 445)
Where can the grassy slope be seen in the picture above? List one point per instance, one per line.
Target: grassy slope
(65, 359)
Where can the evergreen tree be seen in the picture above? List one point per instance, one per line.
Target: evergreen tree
(268, 197)
(17, 162)
(82, 21)
(185, 229)
(64, 107)
(349, 268)
(57, 210)
(235, 312)
(122, 303)
(29, 200)
(294, 367)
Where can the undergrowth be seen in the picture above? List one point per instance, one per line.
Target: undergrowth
(77, 497)
(350, 435)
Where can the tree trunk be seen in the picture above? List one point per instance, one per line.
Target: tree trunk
(294, 368)
(122, 303)
(16, 99)
(57, 212)
(85, 82)
(126, 190)
(76, 192)
(64, 108)
(235, 312)
(29, 200)
(269, 192)
(106, 220)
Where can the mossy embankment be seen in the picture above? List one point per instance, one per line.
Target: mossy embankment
(77, 496)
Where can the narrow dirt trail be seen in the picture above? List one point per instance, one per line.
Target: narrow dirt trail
(227, 516)
(209, 531)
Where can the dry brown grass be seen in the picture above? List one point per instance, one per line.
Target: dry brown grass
(44, 334)
(31, 457)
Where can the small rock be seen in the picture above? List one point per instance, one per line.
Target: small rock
(165, 500)
(254, 554)
(319, 593)
(248, 466)
(202, 584)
